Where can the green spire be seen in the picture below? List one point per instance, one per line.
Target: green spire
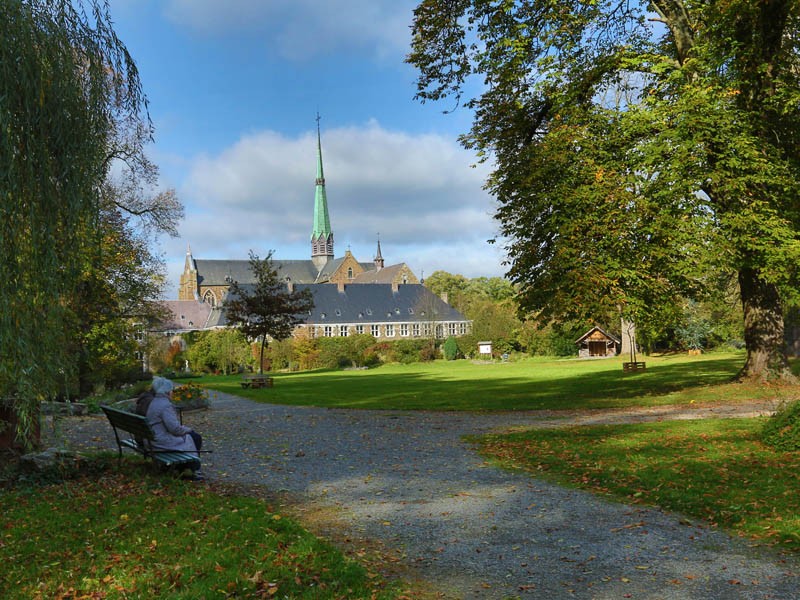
(322, 222)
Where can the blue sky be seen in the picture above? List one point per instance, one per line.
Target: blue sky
(234, 89)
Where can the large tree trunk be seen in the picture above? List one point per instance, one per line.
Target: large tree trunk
(763, 329)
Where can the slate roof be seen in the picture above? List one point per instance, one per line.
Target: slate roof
(385, 275)
(216, 272)
(188, 315)
(375, 303)
(378, 303)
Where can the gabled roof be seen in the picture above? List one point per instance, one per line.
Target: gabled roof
(186, 315)
(596, 329)
(376, 303)
(384, 275)
(327, 271)
(222, 272)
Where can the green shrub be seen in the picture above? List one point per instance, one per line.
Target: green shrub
(384, 351)
(407, 351)
(428, 351)
(782, 430)
(450, 348)
(371, 359)
(279, 353)
(219, 350)
(467, 345)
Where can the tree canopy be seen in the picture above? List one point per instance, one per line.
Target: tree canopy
(639, 149)
(66, 82)
(267, 308)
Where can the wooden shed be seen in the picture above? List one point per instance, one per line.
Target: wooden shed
(597, 343)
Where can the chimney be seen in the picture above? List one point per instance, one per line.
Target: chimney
(340, 286)
(395, 287)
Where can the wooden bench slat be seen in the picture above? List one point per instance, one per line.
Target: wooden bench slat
(138, 427)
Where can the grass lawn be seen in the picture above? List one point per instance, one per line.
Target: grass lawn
(714, 469)
(530, 384)
(125, 534)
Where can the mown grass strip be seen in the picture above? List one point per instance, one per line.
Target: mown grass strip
(713, 469)
(132, 536)
(531, 384)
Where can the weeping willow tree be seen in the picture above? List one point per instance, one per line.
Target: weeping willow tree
(65, 81)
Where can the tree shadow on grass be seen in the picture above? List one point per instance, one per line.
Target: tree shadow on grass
(526, 389)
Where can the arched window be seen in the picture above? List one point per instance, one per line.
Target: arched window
(210, 298)
(349, 272)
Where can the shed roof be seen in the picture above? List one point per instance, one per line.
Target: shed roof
(589, 333)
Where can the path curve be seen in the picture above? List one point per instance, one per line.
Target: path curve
(410, 481)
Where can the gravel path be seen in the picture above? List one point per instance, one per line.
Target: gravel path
(410, 482)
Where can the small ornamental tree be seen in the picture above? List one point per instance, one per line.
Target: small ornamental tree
(268, 307)
(450, 348)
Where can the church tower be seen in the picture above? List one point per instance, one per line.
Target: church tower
(321, 236)
(188, 286)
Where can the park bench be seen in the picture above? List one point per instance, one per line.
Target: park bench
(256, 380)
(139, 432)
(630, 367)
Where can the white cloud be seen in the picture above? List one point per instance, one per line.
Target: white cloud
(300, 29)
(419, 192)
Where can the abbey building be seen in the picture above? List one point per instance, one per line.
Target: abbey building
(350, 296)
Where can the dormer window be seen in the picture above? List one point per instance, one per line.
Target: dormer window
(322, 315)
(411, 311)
(349, 272)
(338, 313)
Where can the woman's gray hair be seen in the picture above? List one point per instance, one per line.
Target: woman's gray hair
(162, 385)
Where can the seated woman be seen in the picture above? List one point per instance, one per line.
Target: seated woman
(169, 433)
